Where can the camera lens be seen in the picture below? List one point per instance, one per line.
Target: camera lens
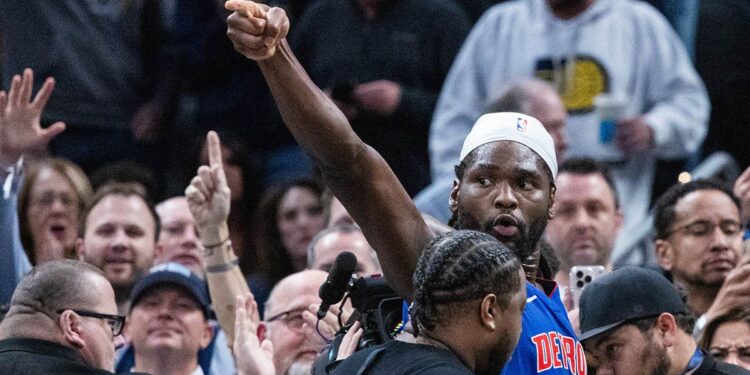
(579, 283)
(587, 279)
(579, 274)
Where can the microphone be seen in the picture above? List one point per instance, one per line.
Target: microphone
(337, 282)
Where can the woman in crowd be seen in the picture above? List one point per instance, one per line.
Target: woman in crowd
(288, 217)
(727, 337)
(49, 206)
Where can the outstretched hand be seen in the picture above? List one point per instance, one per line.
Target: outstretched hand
(20, 127)
(252, 356)
(256, 29)
(208, 194)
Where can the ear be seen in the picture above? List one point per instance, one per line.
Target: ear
(72, 330)
(666, 328)
(664, 254)
(208, 334)
(551, 210)
(262, 331)
(80, 249)
(619, 218)
(453, 200)
(489, 312)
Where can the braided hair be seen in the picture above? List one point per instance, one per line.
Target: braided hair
(458, 267)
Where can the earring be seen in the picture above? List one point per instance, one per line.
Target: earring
(493, 326)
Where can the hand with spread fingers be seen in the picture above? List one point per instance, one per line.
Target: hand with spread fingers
(252, 356)
(329, 325)
(256, 29)
(208, 194)
(20, 127)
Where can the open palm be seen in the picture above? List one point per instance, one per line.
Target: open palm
(20, 127)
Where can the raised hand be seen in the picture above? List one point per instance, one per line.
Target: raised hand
(256, 29)
(208, 195)
(251, 356)
(329, 325)
(20, 127)
(742, 191)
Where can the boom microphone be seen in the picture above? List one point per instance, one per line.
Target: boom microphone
(337, 282)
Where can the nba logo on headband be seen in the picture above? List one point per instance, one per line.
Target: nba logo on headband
(521, 125)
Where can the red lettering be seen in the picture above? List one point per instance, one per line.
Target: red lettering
(581, 360)
(543, 352)
(569, 353)
(553, 338)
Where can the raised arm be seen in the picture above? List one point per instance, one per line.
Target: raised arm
(209, 198)
(356, 173)
(20, 132)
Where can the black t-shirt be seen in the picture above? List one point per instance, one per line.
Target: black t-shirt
(397, 357)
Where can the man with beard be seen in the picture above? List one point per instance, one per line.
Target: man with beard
(587, 217)
(504, 186)
(698, 238)
(633, 321)
(119, 231)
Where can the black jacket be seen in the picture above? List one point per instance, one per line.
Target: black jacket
(24, 356)
(711, 367)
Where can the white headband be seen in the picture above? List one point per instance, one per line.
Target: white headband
(511, 126)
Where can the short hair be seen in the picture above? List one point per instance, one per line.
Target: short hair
(664, 208)
(585, 166)
(339, 228)
(458, 267)
(124, 190)
(741, 314)
(518, 96)
(685, 322)
(75, 177)
(54, 285)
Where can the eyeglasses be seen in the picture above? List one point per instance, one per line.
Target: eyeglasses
(48, 199)
(291, 318)
(703, 228)
(115, 322)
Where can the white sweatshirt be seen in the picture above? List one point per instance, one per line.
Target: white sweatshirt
(619, 46)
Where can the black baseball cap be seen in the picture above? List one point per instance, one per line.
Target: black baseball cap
(626, 294)
(174, 274)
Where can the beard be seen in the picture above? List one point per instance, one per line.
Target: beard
(655, 353)
(523, 246)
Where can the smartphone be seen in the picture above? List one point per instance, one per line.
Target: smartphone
(610, 108)
(580, 276)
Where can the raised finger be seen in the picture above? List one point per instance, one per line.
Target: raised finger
(214, 150)
(40, 100)
(27, 84)
(3, 98)
(14, 94)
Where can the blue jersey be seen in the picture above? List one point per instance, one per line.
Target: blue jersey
(548, 344)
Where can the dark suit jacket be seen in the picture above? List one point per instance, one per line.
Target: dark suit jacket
(25, 356)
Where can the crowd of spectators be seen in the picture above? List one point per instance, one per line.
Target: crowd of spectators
(177, 179)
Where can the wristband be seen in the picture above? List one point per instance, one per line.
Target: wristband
(223, 267)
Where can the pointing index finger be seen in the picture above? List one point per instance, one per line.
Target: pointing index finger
(214, 151)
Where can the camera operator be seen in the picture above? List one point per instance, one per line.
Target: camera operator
(468, 302)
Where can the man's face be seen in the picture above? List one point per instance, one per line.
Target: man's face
(295, 343)
(178, 239)
(697, 252)
(119, 239)
(99, 348)
(547, 107)
(586, 220)
(333, 244)
(168, 319)
(505, 192)
(628, 351)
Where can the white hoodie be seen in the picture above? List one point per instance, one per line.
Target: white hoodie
(619, 46)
